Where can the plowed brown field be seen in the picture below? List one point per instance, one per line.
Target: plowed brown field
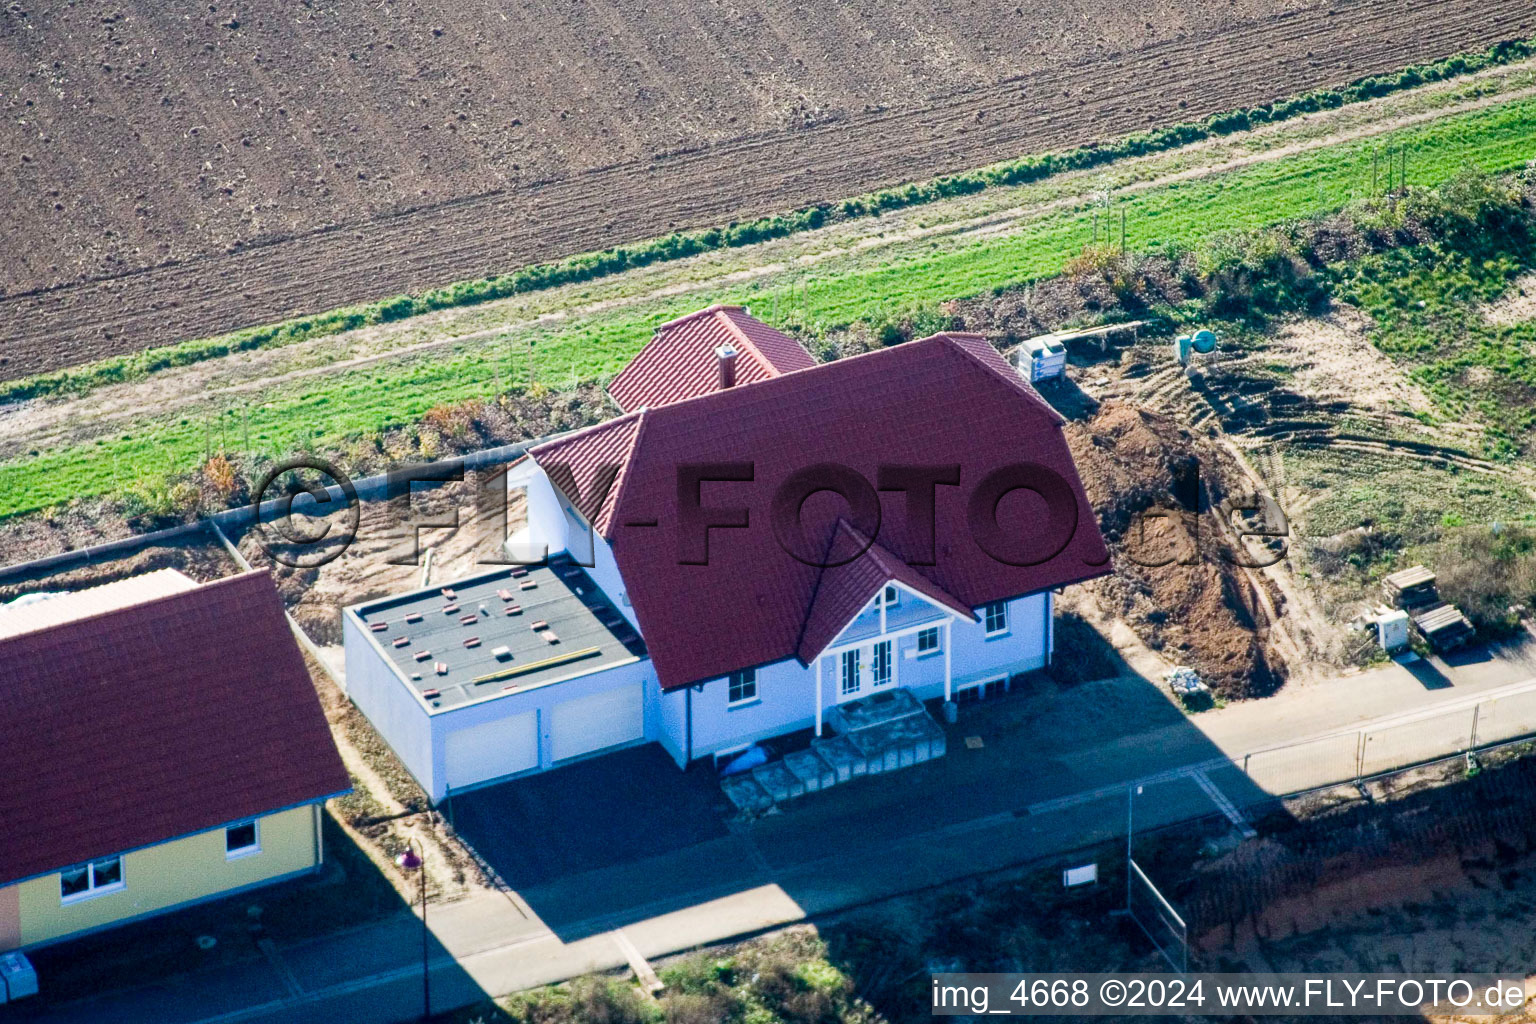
(174, 171)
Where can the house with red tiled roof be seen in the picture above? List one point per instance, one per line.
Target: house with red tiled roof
(162, 744)
(767, 542)
(721, 346)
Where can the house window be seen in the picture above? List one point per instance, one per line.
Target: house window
(743, 686)
(890, 597)
(928, 641)
(93, 879)
(996, 617)
(880, 664)
(241, 840)
(850, 681)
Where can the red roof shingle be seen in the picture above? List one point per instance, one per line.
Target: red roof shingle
(680, 362)
(155, 721)
(590, 455)
(945, 400)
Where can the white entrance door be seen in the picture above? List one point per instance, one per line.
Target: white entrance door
(862, 670)
(601, 720)
(492, 749)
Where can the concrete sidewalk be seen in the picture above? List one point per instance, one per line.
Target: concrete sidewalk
(758, 878)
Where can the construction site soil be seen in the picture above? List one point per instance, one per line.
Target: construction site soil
(171, 176)
(1177, 583)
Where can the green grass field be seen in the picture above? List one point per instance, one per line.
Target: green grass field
(908, 280)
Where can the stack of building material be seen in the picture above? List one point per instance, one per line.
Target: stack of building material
(1410, 588)
(1186, 683)
(1442, 626)
(1439, 624)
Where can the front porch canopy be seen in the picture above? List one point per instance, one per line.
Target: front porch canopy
(846, 591)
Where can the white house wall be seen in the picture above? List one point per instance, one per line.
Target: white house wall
(786, 690)
(604, 571)
(1023, 648)
(555, 525)
(547, 532)
(784, 704)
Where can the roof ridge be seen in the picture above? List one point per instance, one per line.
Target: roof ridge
(1015, 380)
(944, 338)
(781, 376)
(616, 492)
(735, 329)
(200, 588)
(712, 308)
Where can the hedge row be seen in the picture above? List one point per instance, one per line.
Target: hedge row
(589, 266)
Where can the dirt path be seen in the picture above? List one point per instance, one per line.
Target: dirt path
(744, 177)
(58, 422)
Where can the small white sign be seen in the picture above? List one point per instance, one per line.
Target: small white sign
(1080, 876)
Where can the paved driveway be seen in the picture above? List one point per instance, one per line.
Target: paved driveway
(594, 814)
(627, 836)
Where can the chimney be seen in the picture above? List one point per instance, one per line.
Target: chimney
(727, 356)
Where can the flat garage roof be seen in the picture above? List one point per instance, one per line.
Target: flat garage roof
(501, 632)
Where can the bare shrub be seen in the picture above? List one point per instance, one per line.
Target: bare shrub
(1352, 553)
(1485, 571)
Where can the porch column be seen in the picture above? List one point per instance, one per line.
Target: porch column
(818, 695)
(947, 676)
(1050, 627)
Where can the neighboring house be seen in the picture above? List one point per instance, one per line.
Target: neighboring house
(708, 637)
(162, 744)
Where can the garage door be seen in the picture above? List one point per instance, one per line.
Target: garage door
(492, 749)
(602, 720)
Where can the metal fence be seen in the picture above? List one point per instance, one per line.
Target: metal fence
(1157, 919)
(1364, 753)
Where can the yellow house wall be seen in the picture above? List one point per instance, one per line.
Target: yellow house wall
(163, 876)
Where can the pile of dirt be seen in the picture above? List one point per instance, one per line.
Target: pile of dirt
(379, 559)
(1156, 488)
(198, 555)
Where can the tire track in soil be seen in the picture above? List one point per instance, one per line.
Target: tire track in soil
(747, 177)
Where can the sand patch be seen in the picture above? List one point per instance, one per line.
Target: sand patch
(1332, 358)
(1516, 306)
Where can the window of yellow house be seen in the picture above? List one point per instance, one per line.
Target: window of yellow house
(93, 879)
(241, 840)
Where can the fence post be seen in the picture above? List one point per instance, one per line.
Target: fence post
(1359, 755)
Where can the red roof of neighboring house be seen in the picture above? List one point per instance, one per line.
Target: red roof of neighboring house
(680, 361)
(844, 590)
(151, 722)
(948, 399)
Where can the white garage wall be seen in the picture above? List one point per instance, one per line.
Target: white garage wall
(491, 750)
(596, 721)
(540, 702)
(389, 704)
